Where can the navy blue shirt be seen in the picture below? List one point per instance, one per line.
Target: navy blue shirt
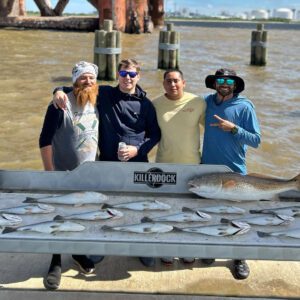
(129, 118)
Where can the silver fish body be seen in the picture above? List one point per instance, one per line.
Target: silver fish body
(264, 220)
(102, 214)
(188, 216)
(233, 228)
(9, 220)
(76, 199)
(237, 187)
(288, 211)
(48, 227)
(293, 233)
(28, 209)
(223, 209)
(142, 228)
(140, 205)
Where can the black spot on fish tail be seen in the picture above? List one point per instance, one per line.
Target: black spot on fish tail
(30, 200)
(146, 220)
(147, 229)
(106, 205)
(8, 230)
(225, 221)
(187, 209)
(263, 234)
(58, 218)
(297, 179)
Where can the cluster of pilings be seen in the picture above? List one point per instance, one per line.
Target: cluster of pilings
(108, 49)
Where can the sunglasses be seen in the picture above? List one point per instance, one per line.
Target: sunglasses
(228, 81)
(125, 73)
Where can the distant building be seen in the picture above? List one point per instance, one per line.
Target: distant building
(259, 14)
(283, 13)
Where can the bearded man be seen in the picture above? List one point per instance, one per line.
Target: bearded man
(69, 137)
(231, 126)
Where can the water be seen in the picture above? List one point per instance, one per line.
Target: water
(34, 62)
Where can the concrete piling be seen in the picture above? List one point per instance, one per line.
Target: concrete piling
(107, 51)
(168, 48)
(259, 46)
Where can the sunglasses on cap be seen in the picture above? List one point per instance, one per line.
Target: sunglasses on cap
(131, 74)
(228, 81)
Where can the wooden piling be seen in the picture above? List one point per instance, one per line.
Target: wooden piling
(168, 48)
(107, 51)
(111, 59)
(259, 46)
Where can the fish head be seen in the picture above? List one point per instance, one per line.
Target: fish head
(12, 218)
(203, 215)
(205, 185)
(285, 218)
(46, 207)
(163, 206)
(244, 227)
(115, 213)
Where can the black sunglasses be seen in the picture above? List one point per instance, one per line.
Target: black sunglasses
(123, 73)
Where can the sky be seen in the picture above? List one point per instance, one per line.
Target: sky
(207, 7)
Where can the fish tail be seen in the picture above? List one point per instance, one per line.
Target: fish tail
(297, 179)
(8, 230)
(177, 229)
(225, 221)
(58, 218)
(146, 220)
(187, 209)
(106, 227)
(254, 211)
(30, 200)
(106, 205)
(263, 234)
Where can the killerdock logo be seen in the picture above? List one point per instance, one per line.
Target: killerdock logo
(155, 178)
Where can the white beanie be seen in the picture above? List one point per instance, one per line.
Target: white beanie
(83, 67)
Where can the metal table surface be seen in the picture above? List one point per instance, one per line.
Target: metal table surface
(94, 240)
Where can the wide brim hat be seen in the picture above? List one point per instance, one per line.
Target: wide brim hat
(239, 82)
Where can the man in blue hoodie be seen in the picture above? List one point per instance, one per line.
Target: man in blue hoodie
(231, 126)
(125, 115)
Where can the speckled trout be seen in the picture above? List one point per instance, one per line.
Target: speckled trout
(140, 205)
(288, 211)
(141, 228)
(264, 220)
(236, 187)
(233, 228)
(48, 227)
(29, 209)
(186, 216)
(101, 214)
(220, 209)
(9, 220)
(293, 233)
(76, 199)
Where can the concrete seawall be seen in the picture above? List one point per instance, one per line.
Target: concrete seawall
(56, 23)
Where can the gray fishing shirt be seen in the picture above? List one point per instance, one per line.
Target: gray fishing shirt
(75, 140)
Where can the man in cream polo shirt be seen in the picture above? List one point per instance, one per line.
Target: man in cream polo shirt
(179, 116)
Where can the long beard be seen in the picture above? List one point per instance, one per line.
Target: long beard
(86, 94)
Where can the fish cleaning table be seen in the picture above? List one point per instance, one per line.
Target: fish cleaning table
(128, 182)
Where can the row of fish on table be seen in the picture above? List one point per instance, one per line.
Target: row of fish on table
(229, 186)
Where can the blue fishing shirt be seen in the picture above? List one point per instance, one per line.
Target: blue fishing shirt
(224, 148)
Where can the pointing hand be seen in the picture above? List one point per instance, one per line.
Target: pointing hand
(223, 124)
